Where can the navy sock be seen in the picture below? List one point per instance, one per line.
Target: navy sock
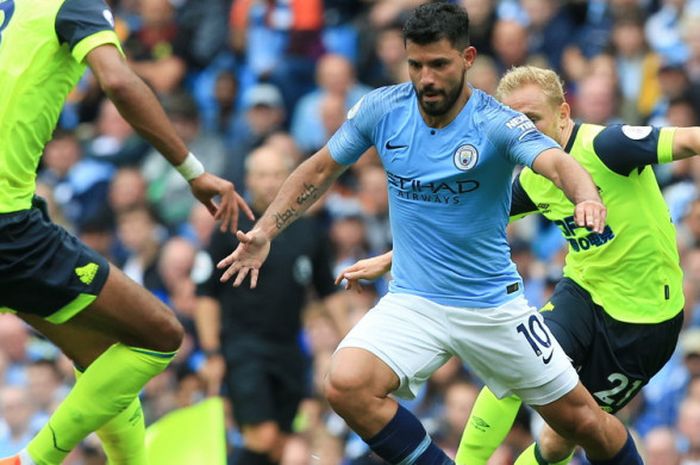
(628, 455)
(404, 441)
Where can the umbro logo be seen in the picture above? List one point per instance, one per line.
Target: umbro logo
(479, 423)
(394, 147)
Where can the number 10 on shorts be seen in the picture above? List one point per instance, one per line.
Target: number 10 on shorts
(538, 337)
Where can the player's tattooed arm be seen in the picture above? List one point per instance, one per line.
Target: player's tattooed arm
(310, 192)
(282, 219)
(304, 186)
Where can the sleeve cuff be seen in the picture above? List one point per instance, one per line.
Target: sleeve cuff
(665, 148)
(93, 41)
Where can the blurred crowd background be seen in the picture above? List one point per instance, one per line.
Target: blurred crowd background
(235, 76)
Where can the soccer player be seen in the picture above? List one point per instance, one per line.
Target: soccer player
(117, 332)
(449, 151)
(618, 310)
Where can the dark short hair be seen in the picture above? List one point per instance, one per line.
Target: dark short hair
(433, 22)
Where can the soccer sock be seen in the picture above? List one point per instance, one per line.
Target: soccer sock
(487, 427)
(245, 456)
(628, 455)
(123, 437)
(107, 388)
(404, 441)
(533, 456)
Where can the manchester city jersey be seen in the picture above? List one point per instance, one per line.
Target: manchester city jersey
(449, 191)
(43, 44)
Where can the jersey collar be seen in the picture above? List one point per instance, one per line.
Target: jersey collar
(572, 137)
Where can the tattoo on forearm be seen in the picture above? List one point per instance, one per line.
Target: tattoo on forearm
(284, 218)
(310, 192)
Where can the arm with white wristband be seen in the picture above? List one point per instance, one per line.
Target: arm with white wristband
(139, 106)
(190, 168)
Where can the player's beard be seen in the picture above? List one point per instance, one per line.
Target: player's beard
(440, 107)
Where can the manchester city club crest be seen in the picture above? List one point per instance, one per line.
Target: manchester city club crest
(465, 157)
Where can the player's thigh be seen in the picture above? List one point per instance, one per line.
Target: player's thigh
(625, 356)
(399, 343)
(81, 345)
(570, 316)
(49, 273)
(512, 351)
(132, 315)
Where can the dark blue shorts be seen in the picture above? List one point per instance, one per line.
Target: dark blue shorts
(265, 381)
(44, 270)
(614, 359)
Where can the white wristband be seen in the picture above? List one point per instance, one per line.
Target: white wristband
(190, 168)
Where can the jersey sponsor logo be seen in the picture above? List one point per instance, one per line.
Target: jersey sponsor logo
(465, 157)
(86, 274)
(108, 16)
(636, 132)
(7, 9)
(447, 192)
(568, 227)
(523, 123)
(543, 207)
(355, 108)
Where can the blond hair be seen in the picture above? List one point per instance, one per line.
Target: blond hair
(547, 80)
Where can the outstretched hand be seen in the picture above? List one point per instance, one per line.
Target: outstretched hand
(590, 214)
(369, 269)
(207, 186)
(247, 259)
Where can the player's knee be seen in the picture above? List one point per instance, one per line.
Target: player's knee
(584, 428)
(174, 333)
(168, 335)
(342, 388)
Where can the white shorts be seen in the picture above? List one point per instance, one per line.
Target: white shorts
(508, 347)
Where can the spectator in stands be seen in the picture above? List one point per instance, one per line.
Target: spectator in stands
(264, 114)
(335, 76)
(15, 420)
(661, 447)
(168, 192)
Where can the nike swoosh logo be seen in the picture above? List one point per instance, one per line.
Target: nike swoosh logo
(394, 147)
(546, 360)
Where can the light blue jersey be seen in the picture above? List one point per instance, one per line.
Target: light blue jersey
(449, 191)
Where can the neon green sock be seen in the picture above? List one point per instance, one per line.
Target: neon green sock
(533, 456)
(107, 388)
(487, 427)
(123, 437)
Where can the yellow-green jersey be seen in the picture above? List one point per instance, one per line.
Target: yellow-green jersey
(43, 44)
(632, 269)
